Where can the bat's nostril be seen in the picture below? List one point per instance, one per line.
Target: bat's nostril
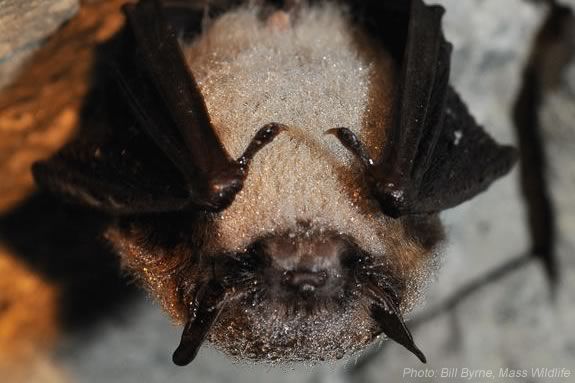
(304, 280)
(301, 266)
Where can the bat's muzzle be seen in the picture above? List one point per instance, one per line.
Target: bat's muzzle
(304, 266)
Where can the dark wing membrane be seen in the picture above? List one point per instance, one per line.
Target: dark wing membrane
(163, 61)
(466, 160)
(185, 17)
(213, 177)
(421, 169)
(146, 144)
(109, 178)
(385, 20)
(148, 107)
(128, 158)
(119, 173)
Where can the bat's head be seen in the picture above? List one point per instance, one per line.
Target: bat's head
(298, 295)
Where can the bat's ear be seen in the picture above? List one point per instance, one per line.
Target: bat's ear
(436, 155)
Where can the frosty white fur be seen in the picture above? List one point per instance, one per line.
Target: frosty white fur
(317, 74)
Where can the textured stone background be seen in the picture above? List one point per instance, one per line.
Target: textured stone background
(23, 27)
(492, 306)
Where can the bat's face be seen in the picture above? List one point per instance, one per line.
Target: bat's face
(299, 295)
(305, 301)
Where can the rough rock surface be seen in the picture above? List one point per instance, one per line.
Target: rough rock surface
(23, 27)
(558, 123)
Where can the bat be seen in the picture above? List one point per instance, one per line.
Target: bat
(274, 170)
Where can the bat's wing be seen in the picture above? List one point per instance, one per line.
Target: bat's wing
(166, 156)
(122, 173)
(464, 162)
(436, 156)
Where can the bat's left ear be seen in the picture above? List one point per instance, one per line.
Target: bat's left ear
(436, 156)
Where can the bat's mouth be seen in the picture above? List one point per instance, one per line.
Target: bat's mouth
(296, 297)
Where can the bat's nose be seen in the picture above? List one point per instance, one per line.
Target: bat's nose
(304, 266)
(304, 281)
